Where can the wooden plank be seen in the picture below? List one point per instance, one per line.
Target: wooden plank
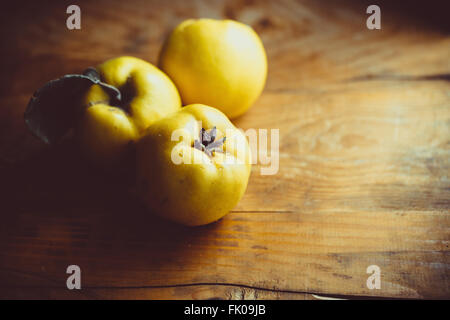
(316, 253)
(38, 288)
(363, 176)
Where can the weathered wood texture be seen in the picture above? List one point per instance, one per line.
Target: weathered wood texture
(364, 119)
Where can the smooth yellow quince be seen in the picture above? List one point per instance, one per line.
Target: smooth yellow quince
(193, 166)
(106, 132)
(221, 63)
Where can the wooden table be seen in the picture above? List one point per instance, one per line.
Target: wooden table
(364, 119)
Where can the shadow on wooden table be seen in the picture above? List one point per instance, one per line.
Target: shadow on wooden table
(58, 207)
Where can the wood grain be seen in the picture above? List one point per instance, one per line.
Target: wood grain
(364, 119)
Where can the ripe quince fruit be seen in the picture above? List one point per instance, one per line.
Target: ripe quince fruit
(193, 166)
(221, 63)
(108, 129)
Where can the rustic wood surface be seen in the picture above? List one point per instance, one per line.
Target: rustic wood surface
(364, 119)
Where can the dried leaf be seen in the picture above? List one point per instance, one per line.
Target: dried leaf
(92, 73)
(54, 109)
